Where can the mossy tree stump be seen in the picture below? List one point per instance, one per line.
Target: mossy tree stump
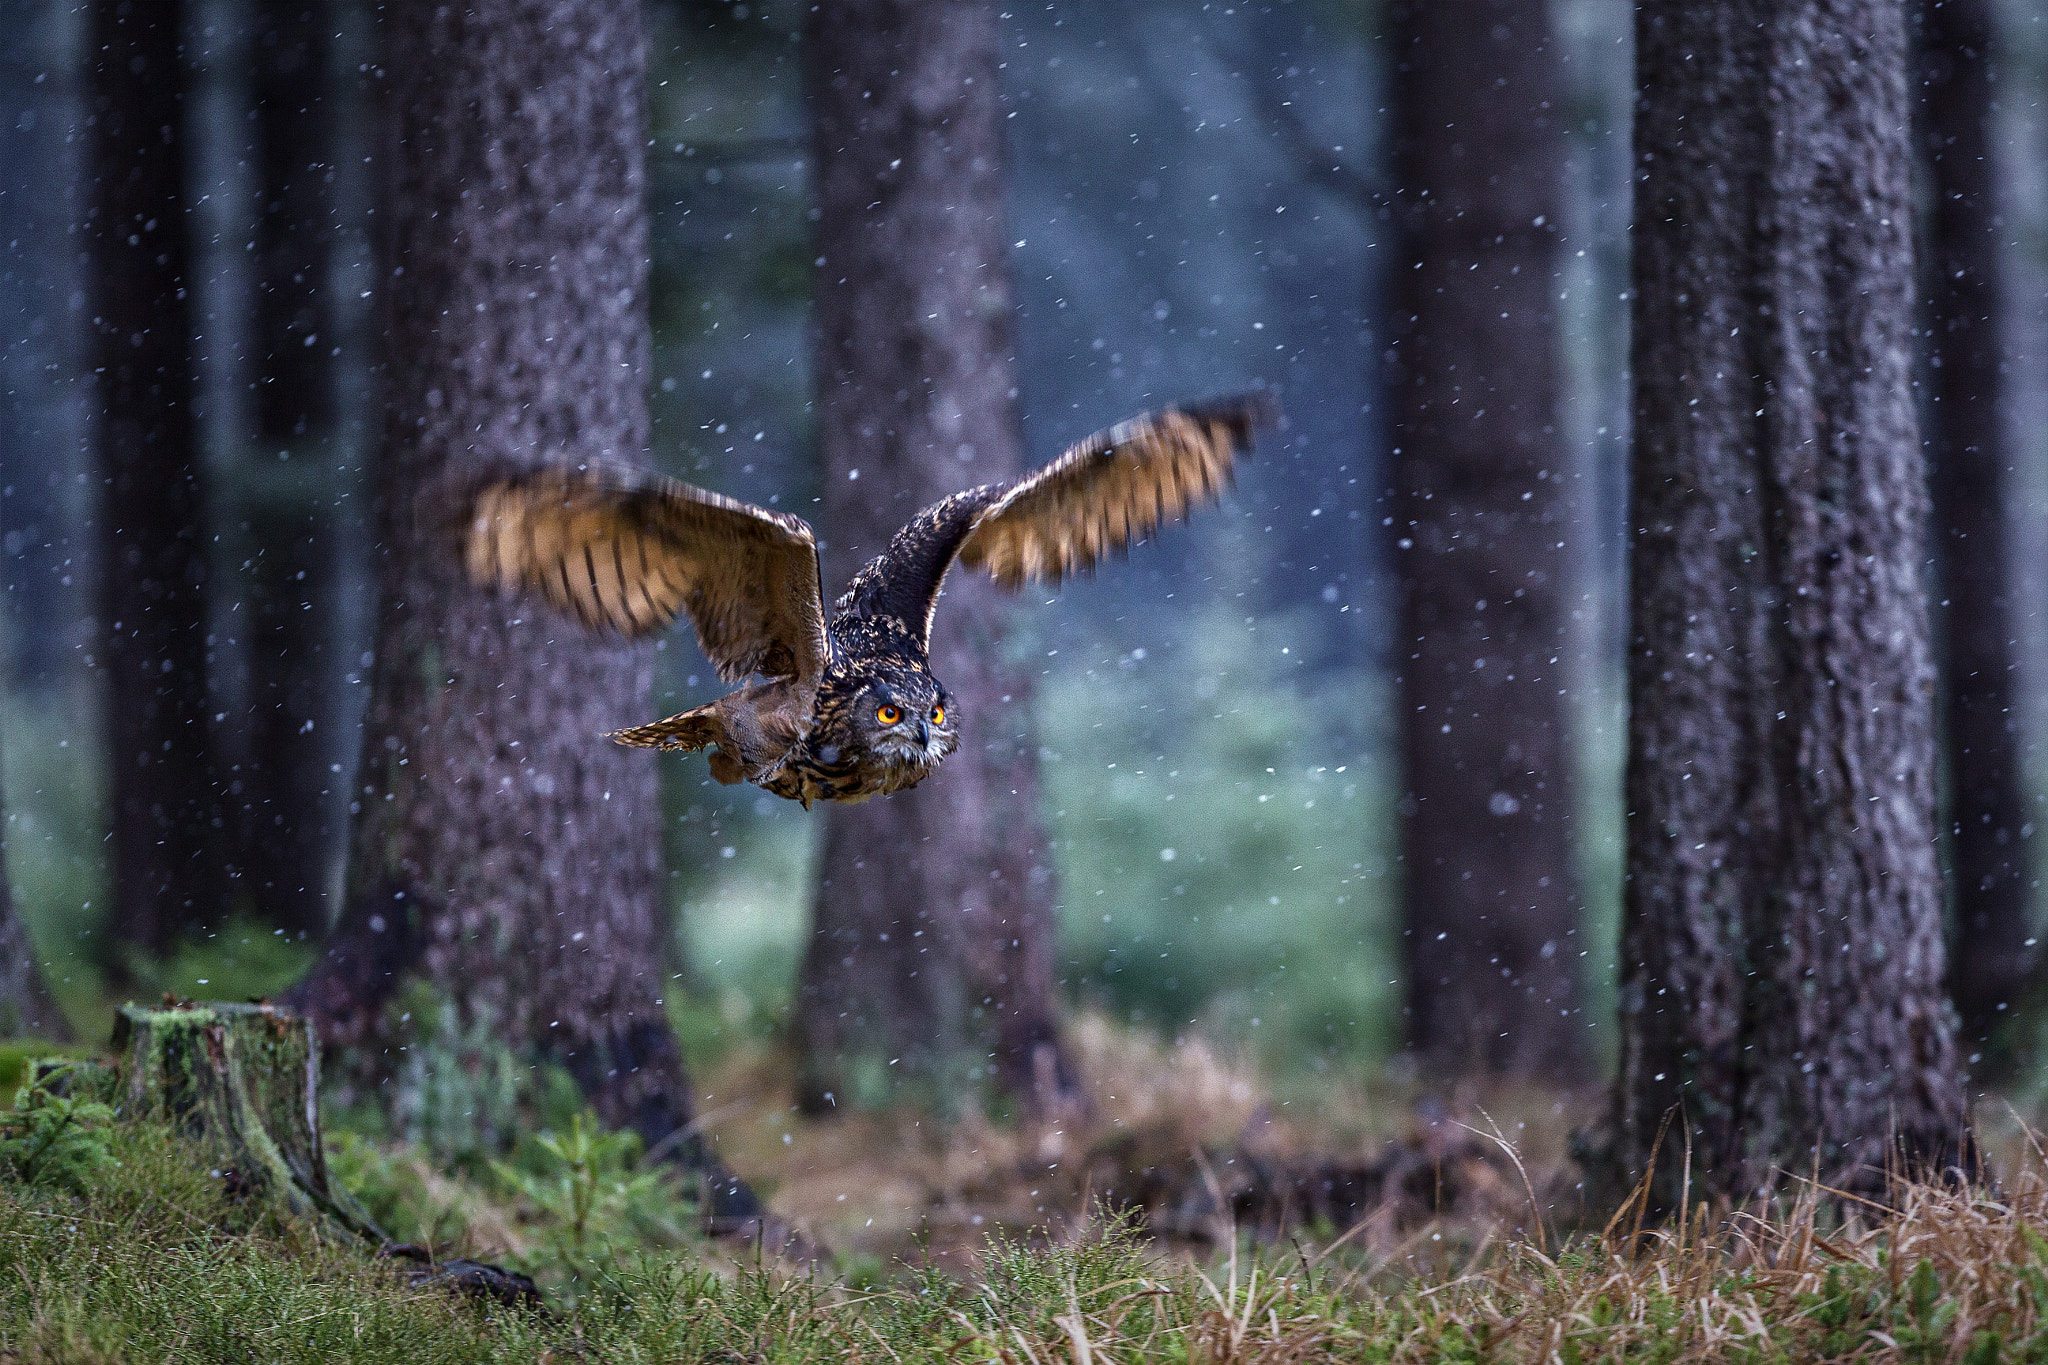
(243, 1080)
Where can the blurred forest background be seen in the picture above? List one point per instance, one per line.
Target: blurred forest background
(1202, 197)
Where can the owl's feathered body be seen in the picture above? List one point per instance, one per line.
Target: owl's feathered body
(848, 709)
(826, 747)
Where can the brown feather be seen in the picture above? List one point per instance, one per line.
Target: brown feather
(1112, 488)
(628, 552)
(688, 731)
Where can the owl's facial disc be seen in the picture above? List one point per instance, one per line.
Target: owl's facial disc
(910, 725)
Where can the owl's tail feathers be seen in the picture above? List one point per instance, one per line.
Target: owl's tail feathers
(689, 731)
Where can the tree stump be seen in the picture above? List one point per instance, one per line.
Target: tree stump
(245, 1081)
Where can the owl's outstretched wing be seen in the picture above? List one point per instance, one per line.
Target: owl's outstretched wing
(1112, 488)
(1104, 492)
(627, 551)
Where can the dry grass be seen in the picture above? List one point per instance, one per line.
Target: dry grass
(1180, 1132)
(1469, 1241)
(894, 1185)
(1948, 1273)
(146, 1265)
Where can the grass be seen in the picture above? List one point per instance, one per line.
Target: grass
(132, 1251)
(154, 1262)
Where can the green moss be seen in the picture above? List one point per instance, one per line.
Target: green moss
(240, 1081)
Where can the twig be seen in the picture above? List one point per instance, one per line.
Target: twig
(1535, 1211)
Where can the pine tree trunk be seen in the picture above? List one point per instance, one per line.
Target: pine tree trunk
(1971, 455)
(295, 315)
(167, 814)
(501, 842)
(284, 848)
(932, 928)
(1782, 962)
(1482, 541)
(43, 161)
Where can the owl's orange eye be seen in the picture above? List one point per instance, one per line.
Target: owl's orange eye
(888, 715)
(938, 715)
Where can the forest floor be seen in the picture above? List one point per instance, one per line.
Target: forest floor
(990, 1241)
(1190, 1137)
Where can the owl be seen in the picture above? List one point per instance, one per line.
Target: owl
(846, 708)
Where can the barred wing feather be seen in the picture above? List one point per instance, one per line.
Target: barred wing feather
(1112, 488)
(628, 551)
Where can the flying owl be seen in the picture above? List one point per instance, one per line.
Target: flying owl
(848, 709)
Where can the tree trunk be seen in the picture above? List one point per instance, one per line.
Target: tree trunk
(1971, 456)
(1782, 965)
(1486, 508)
(42, 161)
(932, 928)
(25, 1003)
(167, 813)
(285, 849)
(295, 316)
(499, 834)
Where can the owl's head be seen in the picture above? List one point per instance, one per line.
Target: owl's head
(905, 720)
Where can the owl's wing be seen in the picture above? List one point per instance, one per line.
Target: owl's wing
(1112, 488)
(1100, 495)
(627, 551)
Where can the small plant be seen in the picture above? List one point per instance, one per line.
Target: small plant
(588, 1194)
(54, 1140)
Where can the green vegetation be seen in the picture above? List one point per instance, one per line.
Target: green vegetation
(56, 827)
(592, 1193)
(15, 1056)
(241, 960)
(55, 1141)
(576, 1210)
(1216, 860)
(138, 1253)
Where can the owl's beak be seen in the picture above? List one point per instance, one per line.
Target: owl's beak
(924, 735)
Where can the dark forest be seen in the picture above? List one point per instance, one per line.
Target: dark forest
(1531, 857)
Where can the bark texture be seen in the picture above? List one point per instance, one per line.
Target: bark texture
(285, 849)
(43, 162)
(932, 925)
(1782, 959)
(285, 845)
(1490, 890)
(1970, 478)
(295, 317)
(496, 831)
(167, 812)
